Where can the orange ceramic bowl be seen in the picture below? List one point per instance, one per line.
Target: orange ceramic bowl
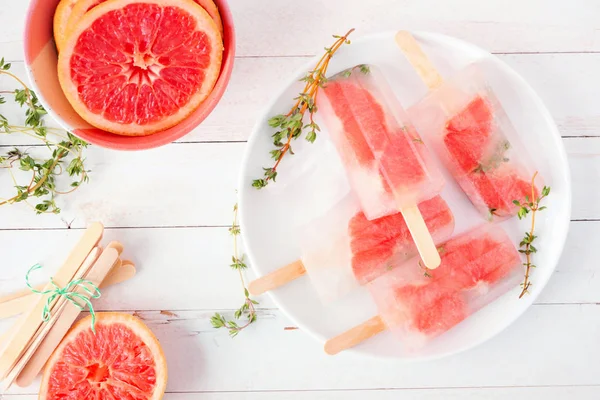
(41, 59)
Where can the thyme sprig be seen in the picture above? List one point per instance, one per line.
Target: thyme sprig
(290, 126)
(247, 310)
(531, 205)
(66, 152)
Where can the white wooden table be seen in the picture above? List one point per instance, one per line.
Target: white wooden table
(171, 208)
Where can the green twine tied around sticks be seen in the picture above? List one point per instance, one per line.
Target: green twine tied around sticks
(70, 293)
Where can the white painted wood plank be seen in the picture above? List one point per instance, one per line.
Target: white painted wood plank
(189, 267)
(546, 393)
(181, 185)
(253, 83)
(12, 18)
(515, 393)
(284, 28)
(584, 160)
(196, 184)
(567, 83)
(549, 345)
(500, 26)
(576, 279)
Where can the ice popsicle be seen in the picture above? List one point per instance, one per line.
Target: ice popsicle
(339, 260)
(387, 164)
(477, 267)
(472, 134)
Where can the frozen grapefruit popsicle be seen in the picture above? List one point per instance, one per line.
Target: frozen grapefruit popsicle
(387, 164)
(472, 134)
(338, 261)
(477, 267)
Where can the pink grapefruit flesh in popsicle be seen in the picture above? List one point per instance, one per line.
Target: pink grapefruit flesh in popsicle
(467, 134)
(468, 261)
(337, 92)
(375, 243)
(360, 112)
(431, 308)
(498, 188)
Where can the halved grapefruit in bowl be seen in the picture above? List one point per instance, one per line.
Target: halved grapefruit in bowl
(136, 87)
(121, 360)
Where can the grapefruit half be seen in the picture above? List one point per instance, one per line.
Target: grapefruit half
(123, 360)
(135, 67)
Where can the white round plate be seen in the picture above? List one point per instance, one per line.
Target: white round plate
(312, 181)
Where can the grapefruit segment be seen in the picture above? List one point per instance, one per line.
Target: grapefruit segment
(123, 360)
(361, 115)
(366, 234)
(469, 260)
(341, 94)
(497, 189)
(135, 67)
(467, 134)
(431, 308)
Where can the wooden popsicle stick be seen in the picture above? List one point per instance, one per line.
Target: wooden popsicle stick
(118, 246)
(356, 335)
(421, 236)
(277, 278)
(414, 220)
(31, 321)
(19, 294)
(96, 275)
(56, 310)
(17, 306)
(115, 267)
(117, 275)
(420, 62)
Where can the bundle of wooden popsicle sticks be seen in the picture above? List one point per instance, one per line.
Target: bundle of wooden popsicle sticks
(30, 342)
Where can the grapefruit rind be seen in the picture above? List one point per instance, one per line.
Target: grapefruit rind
(211, 73)
(79, 10)
(81, 7)
(61, 21)
(132, 323)
(212, 10)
